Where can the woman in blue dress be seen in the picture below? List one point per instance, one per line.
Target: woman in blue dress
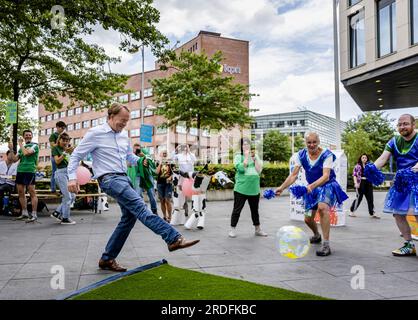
(402, 198)
(323, 191)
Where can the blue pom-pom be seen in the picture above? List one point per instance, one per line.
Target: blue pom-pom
(298, 191)
(405, 180)
(374, 175)
(269, 194)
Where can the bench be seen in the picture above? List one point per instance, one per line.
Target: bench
(54, 196)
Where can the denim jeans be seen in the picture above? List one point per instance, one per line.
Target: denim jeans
(54, 169)
(61, 179)
(133, 207)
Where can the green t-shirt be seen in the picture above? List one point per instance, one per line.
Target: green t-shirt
(58, 151)
(402, 145)
(53, 138)
(28, 163)
(247, 180)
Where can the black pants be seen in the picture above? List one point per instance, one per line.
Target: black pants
(239, 201)
(365, 189)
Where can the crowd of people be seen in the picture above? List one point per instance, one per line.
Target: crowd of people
(126, 173)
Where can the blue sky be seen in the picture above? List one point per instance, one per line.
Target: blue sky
(291, 48)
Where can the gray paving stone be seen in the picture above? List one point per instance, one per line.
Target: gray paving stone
(7, 271)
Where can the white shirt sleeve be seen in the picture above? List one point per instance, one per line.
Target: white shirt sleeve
(297, 161)
(328, 163)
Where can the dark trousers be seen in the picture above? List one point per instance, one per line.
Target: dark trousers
(239, 201)
(365, 189)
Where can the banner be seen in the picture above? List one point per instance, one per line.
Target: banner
(11, 112)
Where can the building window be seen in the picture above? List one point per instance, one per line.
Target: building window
(160, 130)
(48, 131)
(56, 116)
(47, 158)
(292, 123)
(205, 133)
(40, 132)
(78, 126)
(357, 40)
(42, 119)
(78, 110)
(414, 21)
(148, 92)
(70, 112)
(135, 95)
(76, 141)
(386, 26)
(193, 131)
(86, 108)
(134, 133)
(148, 113)
(124, 98)
(62, 114)
(181, 129)
(302, 123)
(41, 159)
(70, 127)
(135, 114)
(353, 2)
(94, 122)
(280, 124)
(102, 120)
(49, 117)
(86, 124)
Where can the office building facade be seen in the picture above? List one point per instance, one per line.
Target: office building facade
(379, 52)
(81, 118)
(299, 123)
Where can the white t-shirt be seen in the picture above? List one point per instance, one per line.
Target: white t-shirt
(186, 161)
(8, 171)
(328, 163)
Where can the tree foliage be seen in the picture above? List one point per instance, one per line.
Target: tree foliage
(369, 134)
(276, 146)
(198, 96)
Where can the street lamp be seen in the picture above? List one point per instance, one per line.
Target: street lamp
(142, 85)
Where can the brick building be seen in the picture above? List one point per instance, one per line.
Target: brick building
(215, 144)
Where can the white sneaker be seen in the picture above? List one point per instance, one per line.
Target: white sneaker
(232, 234)
(260, 233)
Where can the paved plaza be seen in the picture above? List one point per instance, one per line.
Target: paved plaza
(29, 251)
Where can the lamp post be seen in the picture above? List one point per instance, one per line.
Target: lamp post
(336, 76)
(142, 86)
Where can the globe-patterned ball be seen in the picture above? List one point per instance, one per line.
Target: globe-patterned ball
(292, 242)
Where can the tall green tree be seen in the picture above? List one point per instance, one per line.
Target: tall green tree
(276, 146)
(197, 95)
(356, 143)
(44, 54)
(379, 130)
(299, 142)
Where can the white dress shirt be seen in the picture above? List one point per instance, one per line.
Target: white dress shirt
(109, 149)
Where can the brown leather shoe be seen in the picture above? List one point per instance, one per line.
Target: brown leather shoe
(111, 265)
(181, 243)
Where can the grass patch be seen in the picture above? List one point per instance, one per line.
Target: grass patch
(170, 283)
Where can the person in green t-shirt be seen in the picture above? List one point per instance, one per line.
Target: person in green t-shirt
(25, 177)
(61, 156)
(60, 126)
(248, 168)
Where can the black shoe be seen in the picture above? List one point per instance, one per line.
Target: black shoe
(324, 251)
(315, 239)
(67, 221)
(56, 215)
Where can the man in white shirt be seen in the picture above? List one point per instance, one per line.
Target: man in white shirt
(8, 169)
(109, 146)
(185, 160)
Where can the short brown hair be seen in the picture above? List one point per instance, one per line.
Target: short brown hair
(115, 108)
(63, 135)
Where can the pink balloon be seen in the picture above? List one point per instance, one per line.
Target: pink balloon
(83, 175)
(187, 187)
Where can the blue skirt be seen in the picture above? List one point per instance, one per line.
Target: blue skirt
(402, 197)
(330, 193)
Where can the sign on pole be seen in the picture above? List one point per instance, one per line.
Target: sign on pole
(11, 112)
(146, 133)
